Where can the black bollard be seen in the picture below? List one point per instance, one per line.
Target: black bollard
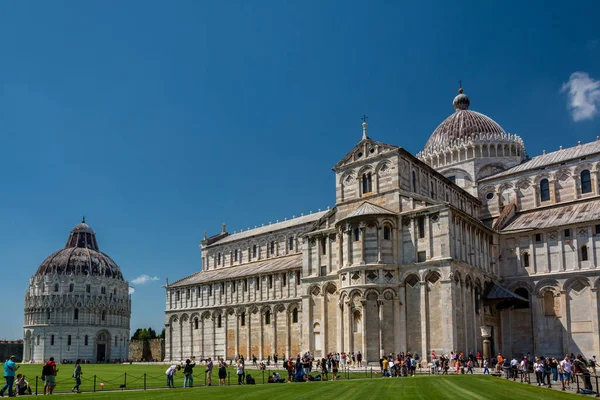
(577, 379)
(144, 381)
(94, 383)
(36, 385)
(125, 381)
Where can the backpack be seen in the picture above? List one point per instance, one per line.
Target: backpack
(188, 369)
(46, 370)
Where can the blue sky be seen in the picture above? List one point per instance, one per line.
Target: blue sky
(160, 120)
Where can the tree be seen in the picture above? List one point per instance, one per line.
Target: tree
(136, 335)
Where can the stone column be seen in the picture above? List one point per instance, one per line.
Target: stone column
(249, 335)
(274, 331)
(397, 326)
(402, 314)
(349, 245)
(363, 229)
(307, 323)
(214, 340)
(225, 339)
(340, 323)
(237, 335)
(329, 255)
(486, 333)
(379, 229)
(350, 329)
(424, 311)
(364, 331)
(261, 327)
(340, 249)
(288, 333)
(324, 319)
(380, 312)
(318, 248)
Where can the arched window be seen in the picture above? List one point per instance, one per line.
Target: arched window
(85, 340)
(268, 317)
(414, 181)
(51, 340)
(295, 315)
(586, 182)
(291, 243)
(272, 247)
(525, 258)
(103, 290)
(76, 313)
(584, 253)
(544, 190)
(219, 321)
(56, 287)
(88, 288)
(387, 233)
(103, 315)
(235, 255)
(219, 259)
(270, 281)
(432, 191)
(549, 304)
(356, 234)
(71, 287)
(254, 251)
(243, 319)
(195, 323)
(48, 314)
(116, 340)
(367, 183)
(68, 340)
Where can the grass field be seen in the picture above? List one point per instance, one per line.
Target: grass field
(477, 387)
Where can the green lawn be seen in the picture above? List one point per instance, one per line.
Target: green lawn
(477, 387)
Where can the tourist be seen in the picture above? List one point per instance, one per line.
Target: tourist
(470, 367)
(579, 367)
(9, 375)
(359, 359)
(208, 372)
(49, 372)
(334, 370)
(538, 367)
(514, 367)
(223, 372)
(275, 358)
(240, 373)
(22, 386)
(188, 373)
(566, 367)
(485, 367)
(77, 376)
(170, 372)
(592, 364)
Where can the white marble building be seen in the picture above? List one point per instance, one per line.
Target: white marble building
(77, 305)
(470, 246)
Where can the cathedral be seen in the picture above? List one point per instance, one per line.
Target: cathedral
(470, 245)
(77, 305)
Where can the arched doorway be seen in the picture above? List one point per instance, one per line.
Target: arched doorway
(102, 346)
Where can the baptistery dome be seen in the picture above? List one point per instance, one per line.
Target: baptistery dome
(77, 305)
(81, 256)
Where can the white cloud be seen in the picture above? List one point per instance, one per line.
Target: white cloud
(143, 279)
(131, 290)
(584, 96)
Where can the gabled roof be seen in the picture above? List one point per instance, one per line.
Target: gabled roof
(497, 292)
(348, 157)
(290, 223)
(240, 271)
(556, 215)
(555, 157)
(367, 208)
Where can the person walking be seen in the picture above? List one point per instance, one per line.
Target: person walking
(10, 367)
(209, 368)
(485, 367)
(77, 376)
(188, 373)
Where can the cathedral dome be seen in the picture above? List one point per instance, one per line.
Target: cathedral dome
(462, 127)
(81, 256)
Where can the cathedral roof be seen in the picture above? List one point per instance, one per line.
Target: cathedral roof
(80, 256)
(465, 126)
(290, 223)
(239, 272)
(556, 215)
(562, 155)
(367, 208)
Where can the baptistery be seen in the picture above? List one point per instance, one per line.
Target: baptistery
(77, 305)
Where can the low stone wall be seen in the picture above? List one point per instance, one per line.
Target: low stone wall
(155, 350)
(11, 348)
